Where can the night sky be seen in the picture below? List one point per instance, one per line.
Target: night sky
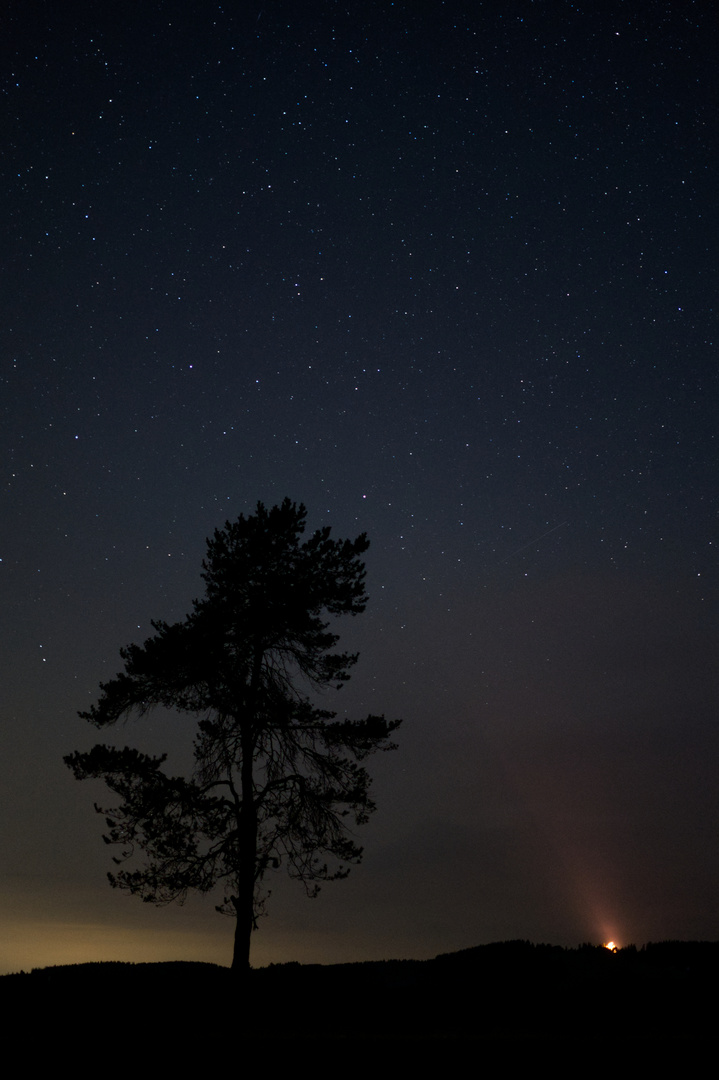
(444, 272)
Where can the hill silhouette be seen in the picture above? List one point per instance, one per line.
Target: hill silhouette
(499, 993)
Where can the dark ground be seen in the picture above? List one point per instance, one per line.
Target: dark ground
(659, 999)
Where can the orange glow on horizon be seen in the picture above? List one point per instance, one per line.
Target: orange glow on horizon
(30, 944)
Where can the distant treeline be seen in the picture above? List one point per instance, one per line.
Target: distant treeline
(503, 991)
(480, 959)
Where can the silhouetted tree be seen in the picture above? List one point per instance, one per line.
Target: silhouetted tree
(276, 779)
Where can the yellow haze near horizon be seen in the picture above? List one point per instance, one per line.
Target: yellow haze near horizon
(36, 944)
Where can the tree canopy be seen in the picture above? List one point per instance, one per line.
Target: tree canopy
(277, 780)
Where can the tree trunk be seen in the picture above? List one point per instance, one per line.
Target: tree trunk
(245, 899)
(241, 950)
(247, 858)
(247, 824)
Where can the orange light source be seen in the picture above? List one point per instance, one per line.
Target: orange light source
(611, 946)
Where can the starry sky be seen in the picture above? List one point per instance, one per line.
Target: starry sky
(444, 272)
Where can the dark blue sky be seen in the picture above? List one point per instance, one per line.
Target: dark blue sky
(445, 273)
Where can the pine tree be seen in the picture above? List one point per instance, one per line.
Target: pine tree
(277, 780)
